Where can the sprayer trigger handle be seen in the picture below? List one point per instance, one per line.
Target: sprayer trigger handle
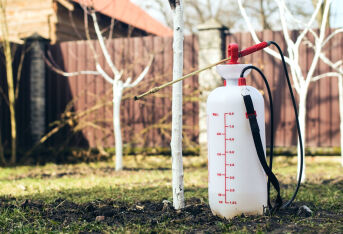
(254, 48)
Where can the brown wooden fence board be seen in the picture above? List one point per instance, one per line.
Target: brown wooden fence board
(166, 75)
(337, 50)
(313, 110)
(279, 97)
(196, 90)
(157, 69)
(324, 105)
(268, 67)
(151, 110)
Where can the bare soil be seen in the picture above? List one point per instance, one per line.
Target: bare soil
(196, 214)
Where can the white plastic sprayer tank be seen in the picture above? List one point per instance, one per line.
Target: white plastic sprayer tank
(237, 183)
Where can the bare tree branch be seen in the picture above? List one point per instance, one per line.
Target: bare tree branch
(95, 55)
(319, 42)
(104, 48)
(85, 19)
(254, 35)
(337, 66)
(329, 74)
(20, 67)
(69, 74)
(309, 24)
(334, 33)
(71, 18)
(141, 76)
(110, 34)
(4, 96)
(104, 74)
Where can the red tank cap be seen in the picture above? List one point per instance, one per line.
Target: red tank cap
(232, 53)
(242, 81)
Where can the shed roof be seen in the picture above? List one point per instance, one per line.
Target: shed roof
(129, 13)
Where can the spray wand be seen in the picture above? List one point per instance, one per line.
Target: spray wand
(233, 56)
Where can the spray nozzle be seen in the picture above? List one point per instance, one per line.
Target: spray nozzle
(234, 54)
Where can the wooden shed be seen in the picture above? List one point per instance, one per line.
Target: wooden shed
(63, 20)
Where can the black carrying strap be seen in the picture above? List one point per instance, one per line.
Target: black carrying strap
(255, 130)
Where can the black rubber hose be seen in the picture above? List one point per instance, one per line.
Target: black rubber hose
(286, 204)
(297, 122)
(271, 146)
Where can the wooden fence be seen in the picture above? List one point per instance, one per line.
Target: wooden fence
(145, 123)
(148, 122)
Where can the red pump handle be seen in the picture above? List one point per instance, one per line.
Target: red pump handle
(254, 48)
(233, 54)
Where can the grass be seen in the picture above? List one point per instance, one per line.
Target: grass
(48, 188)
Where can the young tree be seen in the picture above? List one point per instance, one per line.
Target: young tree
(176, 141)
(9, 75)
(301, 81)
(115, 79)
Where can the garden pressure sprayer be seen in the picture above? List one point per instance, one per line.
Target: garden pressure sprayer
(239, 176)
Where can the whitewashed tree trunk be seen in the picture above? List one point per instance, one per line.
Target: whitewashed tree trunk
(176, 141)
(117, 96)
(340, 91)
(302, 123)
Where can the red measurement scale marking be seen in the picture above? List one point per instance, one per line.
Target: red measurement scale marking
(226, 163)
(226, 153)
(225, 150)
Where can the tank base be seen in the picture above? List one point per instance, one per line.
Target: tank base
(236, 213)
